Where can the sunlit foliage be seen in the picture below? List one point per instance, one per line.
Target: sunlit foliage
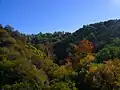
(90, 59)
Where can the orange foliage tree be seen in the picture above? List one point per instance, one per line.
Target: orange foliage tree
(83, 51)
(85, 46)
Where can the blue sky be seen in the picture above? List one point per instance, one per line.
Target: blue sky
(33, 16)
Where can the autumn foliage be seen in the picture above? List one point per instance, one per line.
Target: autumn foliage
(86, 46)
(83, 53)
(31, 62)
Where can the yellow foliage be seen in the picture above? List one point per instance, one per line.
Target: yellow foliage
(94, 67)
(63, 70)
(89, 57)
(112, 71)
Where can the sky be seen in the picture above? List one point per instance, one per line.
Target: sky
(34, 16)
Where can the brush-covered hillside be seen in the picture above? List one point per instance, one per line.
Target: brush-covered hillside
(88, 59)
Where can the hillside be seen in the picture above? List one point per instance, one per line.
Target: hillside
(88, 59)
(100, 34)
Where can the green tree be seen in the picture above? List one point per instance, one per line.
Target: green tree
(108, 52)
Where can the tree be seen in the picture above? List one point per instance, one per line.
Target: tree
(1, 27)
(108, 52)
(85, 46)
(105, 77)
(8, 28)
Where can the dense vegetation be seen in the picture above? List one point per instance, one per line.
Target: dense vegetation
(88, 59)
